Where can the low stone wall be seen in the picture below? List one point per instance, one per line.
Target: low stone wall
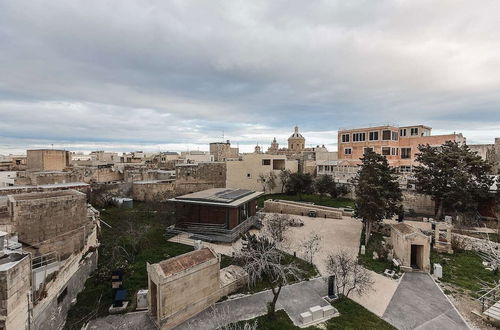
(288, 207)
(231, 279)
(474, 244)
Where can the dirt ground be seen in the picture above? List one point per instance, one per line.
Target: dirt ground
(467, 305)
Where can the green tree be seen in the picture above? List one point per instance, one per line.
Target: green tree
(378, 195)
(454, 176)
(324, 184)
(299, 183)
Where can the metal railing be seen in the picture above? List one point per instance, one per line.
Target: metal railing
(489, 298)
(45, 259)
(214, 233)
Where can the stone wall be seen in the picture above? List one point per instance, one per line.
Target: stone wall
(474, 244)
(52, 315)
(197, 177)
(15, 286)
(287, 207)
(51, 221)
(153, 191)
(420, 203)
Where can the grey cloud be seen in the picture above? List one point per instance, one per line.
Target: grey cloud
(186, 70)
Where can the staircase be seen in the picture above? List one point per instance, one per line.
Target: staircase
(490, 306)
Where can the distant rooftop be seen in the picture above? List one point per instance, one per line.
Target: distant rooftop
(219, 196)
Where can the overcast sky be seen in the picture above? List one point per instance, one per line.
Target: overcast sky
(172, 75)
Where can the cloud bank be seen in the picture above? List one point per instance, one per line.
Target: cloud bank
(177, 74)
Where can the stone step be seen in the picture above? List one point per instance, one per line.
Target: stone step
(493, 311)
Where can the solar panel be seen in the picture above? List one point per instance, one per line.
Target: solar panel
(235, 194)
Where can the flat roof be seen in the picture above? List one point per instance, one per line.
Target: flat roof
(229, 197)
(46, 186)
(180, 263)
(45, 194)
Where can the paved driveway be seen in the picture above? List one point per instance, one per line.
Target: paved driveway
(294, 299)
(418, 303)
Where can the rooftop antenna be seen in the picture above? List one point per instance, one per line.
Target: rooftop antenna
(222, 136)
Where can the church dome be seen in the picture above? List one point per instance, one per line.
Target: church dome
(296, 134)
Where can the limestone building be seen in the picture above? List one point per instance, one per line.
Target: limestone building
(222, 151)
(250, 169)
(47, 160)
(50, 221)
(15, 287)
(489, 152)
(183, 286)
(411, 247)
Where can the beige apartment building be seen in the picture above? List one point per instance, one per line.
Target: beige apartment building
(245, 173)
(398, 144)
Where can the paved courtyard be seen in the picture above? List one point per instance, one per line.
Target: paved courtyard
(418, 303)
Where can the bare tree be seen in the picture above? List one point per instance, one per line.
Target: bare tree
(350, 276)
(492, 254)
(311, 246)
(263, 261)
(284, 176)
(276, 227)
(262, 179)
(268, 181)
(271, 181)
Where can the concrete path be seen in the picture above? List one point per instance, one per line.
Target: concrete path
(294, 299)
(377, 300)
(136, 320)
(419, 303)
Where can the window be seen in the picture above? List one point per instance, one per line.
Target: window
(373, 136)
(366, 149)
(266, 162)
(345, 138)
(394, 151)
(394, 136)
(405, 169)
(405, 153)
(278, 164)
(358, 137)
(347, 151)
(386, 151)
(248, 175)
(414, 131)
(402, 132)
(386, 135)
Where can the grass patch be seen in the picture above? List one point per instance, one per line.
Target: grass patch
(136, 237)
(352, 316)
(309, 198)
(355, 316)
(464, 269)
(375, 245)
